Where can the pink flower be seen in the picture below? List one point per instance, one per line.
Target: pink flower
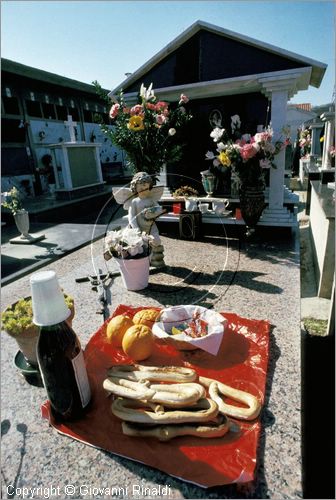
(114, 110)
(262, 137)
(150, 105)
(183, 99)
(248, 151)
(136, 110)
(160, 119)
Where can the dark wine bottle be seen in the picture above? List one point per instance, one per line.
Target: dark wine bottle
(59, 353)
(63, 371)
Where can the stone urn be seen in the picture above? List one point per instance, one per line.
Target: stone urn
(22, 223)
(252, 204)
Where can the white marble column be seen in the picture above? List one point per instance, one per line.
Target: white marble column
(279, 91)
(329, 137)
(278, 114)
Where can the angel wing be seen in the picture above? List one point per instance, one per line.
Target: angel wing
(123, 196)
(156, 192)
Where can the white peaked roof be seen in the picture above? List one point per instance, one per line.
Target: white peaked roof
(317, 68)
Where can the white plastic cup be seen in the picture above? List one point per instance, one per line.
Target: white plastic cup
(49, 306)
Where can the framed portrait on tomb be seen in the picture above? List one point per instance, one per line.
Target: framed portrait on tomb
(215, 118)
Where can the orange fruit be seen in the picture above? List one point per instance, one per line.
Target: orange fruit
(116, 329)
(138, 342)
(146, 317)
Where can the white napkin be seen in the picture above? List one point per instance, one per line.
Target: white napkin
(174, 316)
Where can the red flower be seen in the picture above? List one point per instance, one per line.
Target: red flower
(161, 105)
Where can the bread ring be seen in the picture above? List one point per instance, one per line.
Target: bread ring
(153, 373)
(167, 432)
(217, 388)
(128, 389)
(177, 395)
(133, 411)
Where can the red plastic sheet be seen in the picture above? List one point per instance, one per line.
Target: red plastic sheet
(241, 362)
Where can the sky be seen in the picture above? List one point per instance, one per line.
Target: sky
(103, 40)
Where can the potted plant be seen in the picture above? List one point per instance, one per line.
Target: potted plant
(17, 321)
(13, 202)
(131, 249)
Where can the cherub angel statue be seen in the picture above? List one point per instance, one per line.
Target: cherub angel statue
(141, 201)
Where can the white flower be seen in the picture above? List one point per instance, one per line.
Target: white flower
(220, 147)
(4, 197)
(183, 99)
(126, 243)
(172, 131)
(134, 250)
(258, 137)
(209, 155)
(217, 133)
(246, 137)
(146, 94)
(235, 122)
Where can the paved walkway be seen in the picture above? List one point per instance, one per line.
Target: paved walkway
(64, 238)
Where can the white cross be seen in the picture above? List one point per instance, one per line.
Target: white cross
(69, 123)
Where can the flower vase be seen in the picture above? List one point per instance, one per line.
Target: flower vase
(134, 272)
(252, 204)
(208, 182)
(22, 223)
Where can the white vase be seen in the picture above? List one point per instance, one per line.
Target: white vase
(22, 223)
(134, 272)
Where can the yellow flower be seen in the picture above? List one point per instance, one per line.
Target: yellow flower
(136, 123)
(322, 139)
(224, 159)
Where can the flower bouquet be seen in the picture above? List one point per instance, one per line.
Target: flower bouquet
(248, 156)
(305, 143)
(127, 243)
(131, 249)
(149, 131)
(12, 201)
